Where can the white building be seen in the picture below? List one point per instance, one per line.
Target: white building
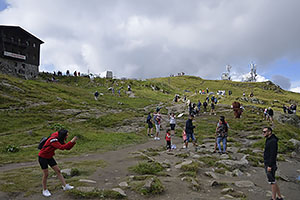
(106, 74)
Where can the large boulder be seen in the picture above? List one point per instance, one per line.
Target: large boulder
(291, 119)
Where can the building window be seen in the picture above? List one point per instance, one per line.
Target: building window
(12, 39)
(33, 45)
(27, 43)
(33, 57)
(19, 40)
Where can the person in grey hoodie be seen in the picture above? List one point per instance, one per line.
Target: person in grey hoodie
(270, 156)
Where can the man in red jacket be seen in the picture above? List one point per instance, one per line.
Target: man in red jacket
(56, 141)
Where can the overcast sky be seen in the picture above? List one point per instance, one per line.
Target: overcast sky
(143, 38)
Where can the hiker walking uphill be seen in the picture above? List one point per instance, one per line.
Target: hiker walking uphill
(56, 141)
(236, 106)
(172, 123)
(157, 121)
(270, 156)
(189, 130)
(150, 125)
(221, 134)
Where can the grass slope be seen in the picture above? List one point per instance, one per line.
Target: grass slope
(31, 109)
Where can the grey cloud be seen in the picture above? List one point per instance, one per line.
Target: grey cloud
(282, 81)
(141, 38)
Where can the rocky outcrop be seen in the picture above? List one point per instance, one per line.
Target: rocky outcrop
(290, 119)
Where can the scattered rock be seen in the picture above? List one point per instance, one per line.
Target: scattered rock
(224, 156)
(211, 174)
(214, 183)
(295, 142)
(184, 163)
(244, 184)
(87, 181)
(243, 163)
(227, 173)
(120, 191)
(123, 184)
(237, 172)
(227, 190)
(85, 189)
(66, 172)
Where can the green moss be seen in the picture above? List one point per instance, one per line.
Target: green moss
(147, 168)
(193, 167)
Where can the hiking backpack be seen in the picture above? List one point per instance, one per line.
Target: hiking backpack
(222, 130)
(42, 142)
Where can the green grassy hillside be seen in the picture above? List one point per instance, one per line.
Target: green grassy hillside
(31, 109)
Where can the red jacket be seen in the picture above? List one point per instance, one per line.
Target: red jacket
(168, 137)
(52, 144)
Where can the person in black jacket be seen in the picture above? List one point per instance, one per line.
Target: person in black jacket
(189, 130)
(270, 155)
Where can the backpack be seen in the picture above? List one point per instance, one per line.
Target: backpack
(222, 130)
(42, 142)
(148, 119)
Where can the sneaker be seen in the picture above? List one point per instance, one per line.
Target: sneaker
(158, 138)
(67, 187)
(155, 138)
(46, 193)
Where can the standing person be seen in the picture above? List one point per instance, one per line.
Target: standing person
(157, 121)
(56, 141)
(150, 125)
(199, 105)
(212, 110)
(184, 138)
(96, 95)
(270, 114)
(270, 155)
(222, 133)
(204, 106)
(172, 123)
(189, 130)
(168, 140)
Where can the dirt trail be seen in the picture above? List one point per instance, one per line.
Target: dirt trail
(176, 188)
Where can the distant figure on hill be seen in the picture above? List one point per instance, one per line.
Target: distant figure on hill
(56, 141)
(68, 73)
(78, 73)
(207, 91)
(229, 92)
(172, 123)
(204, 106)
(270, 114)
(236, 106)
(150, 125)
(212, 108)
(129, 88)
(199, 106)
(96, 95)
(184, 138)
(157, 122)
(75, 73)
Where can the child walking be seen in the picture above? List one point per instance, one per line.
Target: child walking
(168, 140)
(184, 138)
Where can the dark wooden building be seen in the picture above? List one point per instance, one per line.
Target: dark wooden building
(19, 52)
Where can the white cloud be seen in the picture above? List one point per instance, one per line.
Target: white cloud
(141, 38)
(297, 89)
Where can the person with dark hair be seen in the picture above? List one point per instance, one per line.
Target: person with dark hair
(150, 125)
(221, 134)
(168, 140)
(189, 129)
(270, 156)
(172, 123)
(55, 141)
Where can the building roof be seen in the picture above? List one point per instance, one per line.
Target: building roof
(18, 27)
